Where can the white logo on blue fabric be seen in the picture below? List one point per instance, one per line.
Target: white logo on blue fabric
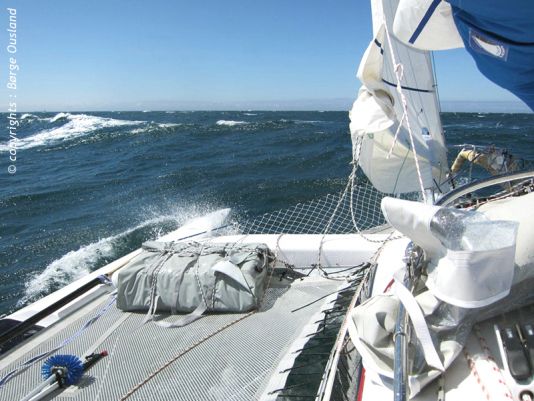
(491, 47)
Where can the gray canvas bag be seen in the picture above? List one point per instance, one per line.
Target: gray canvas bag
(194, 277)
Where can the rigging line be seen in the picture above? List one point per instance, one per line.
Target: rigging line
(415, 91)
(399, 72)
(320, 298)
(435, 76)
(393, 70)
(349, 268)
(328, 226)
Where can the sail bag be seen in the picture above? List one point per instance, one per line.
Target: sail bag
(180, 277)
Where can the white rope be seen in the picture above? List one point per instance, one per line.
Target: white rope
(399, 72)
(350, 186)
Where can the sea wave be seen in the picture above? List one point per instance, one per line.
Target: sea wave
(59, 116)
(28, 116)
(76, 264)
(155, 127)
(230, 123)
(76, 125)
(169, 125)
(307, 121)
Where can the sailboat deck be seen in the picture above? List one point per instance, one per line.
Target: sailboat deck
(220, 356)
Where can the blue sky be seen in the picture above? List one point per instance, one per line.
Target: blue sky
(209, 54)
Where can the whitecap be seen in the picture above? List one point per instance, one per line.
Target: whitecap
(168, 125)
(76, 125)
(76, 264)
(250, 114)
(151, 127)
(283, 120)
(138, 130)
(307, 121)
(59, 116)
(66, 269)
(28, 116)
(230, 123)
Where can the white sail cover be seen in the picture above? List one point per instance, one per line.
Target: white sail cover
(378, 111)
(427, 25)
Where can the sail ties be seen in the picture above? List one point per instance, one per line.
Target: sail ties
(399, 72)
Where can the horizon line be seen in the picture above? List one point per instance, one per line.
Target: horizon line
(446, 106)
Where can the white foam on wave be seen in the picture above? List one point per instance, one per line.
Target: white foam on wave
(230, 123)
(168, 125)
(249, 114)
(75, 264)
(307, 121)
(76, 125)
(138, 131)
(68, 268)
(28, 116)
(150, 127)
(59, 116)
(283, 120)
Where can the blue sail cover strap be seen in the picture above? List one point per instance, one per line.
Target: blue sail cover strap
(431, 8)
(499, 36)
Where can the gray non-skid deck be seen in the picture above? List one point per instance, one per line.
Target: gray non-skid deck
(235, 363)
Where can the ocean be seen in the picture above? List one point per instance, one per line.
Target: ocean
(92, 186)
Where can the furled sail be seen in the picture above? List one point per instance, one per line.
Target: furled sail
(385, 127)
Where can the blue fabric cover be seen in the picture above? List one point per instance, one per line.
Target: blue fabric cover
(499, 35)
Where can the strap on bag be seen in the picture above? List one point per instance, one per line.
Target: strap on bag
(418, 321)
